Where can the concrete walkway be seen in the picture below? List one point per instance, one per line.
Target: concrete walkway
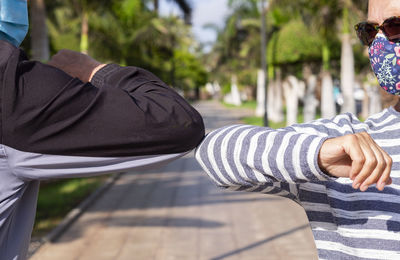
(177, 213)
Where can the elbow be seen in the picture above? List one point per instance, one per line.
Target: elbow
(190, 134)
(203, 158)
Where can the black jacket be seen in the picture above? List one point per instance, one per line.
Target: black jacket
(124, 111)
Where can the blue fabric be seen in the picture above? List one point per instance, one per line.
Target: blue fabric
(14, 21)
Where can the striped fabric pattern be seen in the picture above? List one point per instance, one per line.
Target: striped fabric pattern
(346, 223)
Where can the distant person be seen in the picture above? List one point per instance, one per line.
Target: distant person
(75, 118)
(343, 172)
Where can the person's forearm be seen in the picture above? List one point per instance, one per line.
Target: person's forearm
(246, 155)
(124, 111)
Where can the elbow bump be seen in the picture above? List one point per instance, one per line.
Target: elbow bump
(191, 135)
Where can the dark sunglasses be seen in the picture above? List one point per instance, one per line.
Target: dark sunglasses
(367, 31)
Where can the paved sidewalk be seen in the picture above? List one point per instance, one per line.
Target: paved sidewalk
(177, 213)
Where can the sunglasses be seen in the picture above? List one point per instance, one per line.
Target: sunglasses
(367, 31)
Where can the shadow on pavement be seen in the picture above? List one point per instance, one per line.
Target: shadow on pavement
(153, 193)
(164, 188)
(143, 221)
(259, 243)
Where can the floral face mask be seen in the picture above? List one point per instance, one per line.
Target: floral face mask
(384, 56)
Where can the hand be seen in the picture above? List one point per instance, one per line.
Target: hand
(76, 64)
(357, 157)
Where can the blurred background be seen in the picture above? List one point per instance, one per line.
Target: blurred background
(302, 57)
(305, 53)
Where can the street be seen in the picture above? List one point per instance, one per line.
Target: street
(177, 213)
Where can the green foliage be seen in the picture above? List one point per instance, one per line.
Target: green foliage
(190, 73)
(129, 33)
(298, 32)
(226, 88)
(361, 59)
(294, 43)
(247, 104)
(279, 17)
(128, 8)
(259, 121)
(56, 199)
(64, 35)
(237, 50)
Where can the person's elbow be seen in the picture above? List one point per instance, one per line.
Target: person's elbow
(189, 133)
(172, 132)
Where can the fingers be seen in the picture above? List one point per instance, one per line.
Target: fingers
(373, 164)
(370, 163)
(353, 149)
(358, 157)
(385, 177)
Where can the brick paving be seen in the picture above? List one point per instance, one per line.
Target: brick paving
(176, 213)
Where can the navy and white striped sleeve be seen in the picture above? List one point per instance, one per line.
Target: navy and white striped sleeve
(260, 159)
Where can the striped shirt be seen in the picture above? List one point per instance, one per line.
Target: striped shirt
(346, 223)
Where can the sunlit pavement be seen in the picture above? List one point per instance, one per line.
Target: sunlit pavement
(177, 213)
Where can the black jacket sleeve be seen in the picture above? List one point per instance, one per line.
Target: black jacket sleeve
(125, 111)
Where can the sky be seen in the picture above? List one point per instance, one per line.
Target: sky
(204, 12)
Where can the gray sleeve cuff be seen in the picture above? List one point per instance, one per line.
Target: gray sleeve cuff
(321, 175)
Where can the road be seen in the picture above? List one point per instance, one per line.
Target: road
(176, 213)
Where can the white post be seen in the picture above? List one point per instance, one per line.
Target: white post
(310, 102)
(291, 91)
(235, 92)
(260, 93)
(328, 109)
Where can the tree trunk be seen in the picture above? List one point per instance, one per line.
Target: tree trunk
(375, 98)
(275, 104)
(278, 102)
(217, 89)
(291, 88)
(328, 108)
(260, 110)
(270, 100)
(235, 94)
(173, 64)
(85, 32)
(365, 102)
(310, 102)
(347, 75)
(156, 5)
(187, 17)
(39, 37)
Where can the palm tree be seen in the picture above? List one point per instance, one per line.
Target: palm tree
(322, 14)
(182, 4)
(186, 9)
(85, 8)
(357, 9)
(237, 52)
(156, 5)
(328, 16)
